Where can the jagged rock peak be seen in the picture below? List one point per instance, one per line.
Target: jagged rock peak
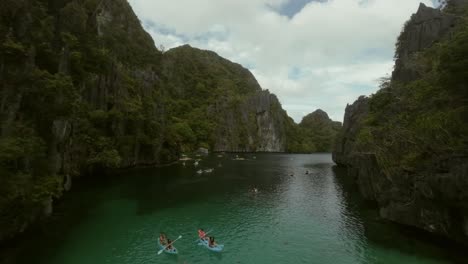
(426, 27)
(426, 13)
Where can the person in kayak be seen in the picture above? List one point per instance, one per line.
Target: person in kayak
(163, 239)
(169, 244)
(211, 242)
(201, 233)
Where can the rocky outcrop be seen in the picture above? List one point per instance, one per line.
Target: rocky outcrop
(425, 27)
(270, 119)
(245, 118)
(432, 201)
(255, 125)
(417, 178)
(345, 143)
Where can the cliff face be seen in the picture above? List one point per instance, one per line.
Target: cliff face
(255, 124)
(346, 138)
(79, 92)
(426, 27)
(406, 146)
(223, 103)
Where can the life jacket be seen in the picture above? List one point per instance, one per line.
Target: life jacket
(201, 234)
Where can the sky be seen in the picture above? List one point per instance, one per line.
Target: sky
(313, 54)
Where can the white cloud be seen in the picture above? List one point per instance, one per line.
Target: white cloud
(337, 49)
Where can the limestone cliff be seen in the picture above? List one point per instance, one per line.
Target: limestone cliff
(345, 144)
(406, 146)
(79, 92)
(426, 27)
(256, 125)
(224, 105)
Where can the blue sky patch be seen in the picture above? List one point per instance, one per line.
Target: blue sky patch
(292, 7)
(295, 73)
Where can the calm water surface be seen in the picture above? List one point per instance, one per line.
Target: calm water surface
(303, 218)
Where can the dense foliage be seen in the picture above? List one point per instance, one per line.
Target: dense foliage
(201, 89)
(316, 133)
(420, 125)
(71, 99)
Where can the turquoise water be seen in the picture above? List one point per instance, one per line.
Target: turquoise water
(312, 218)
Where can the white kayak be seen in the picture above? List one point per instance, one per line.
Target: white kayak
(217, 248)
(172, 250)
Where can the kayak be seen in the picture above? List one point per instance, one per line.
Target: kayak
(217, 248)
(173, 250)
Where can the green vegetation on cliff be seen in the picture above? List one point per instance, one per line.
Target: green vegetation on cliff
(76, 94)
(407, 145)
(418, 125)
(201, 89)
(316, 133)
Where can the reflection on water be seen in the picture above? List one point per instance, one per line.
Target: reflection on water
(294, 218)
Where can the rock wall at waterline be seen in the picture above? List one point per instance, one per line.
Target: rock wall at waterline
(406, 146)
(257, 124)
(353, 119)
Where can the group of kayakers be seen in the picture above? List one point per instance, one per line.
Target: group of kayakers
(167, 243)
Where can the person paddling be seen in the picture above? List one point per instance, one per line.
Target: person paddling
(163, 239)
(201, 233)
(211, 242)
(169, 244)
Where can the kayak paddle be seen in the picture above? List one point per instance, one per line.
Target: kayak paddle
(160, 251)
